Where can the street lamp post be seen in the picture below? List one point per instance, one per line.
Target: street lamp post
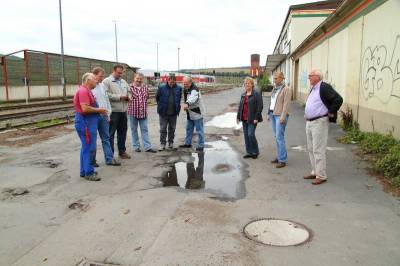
(62, 54)
(116, 41)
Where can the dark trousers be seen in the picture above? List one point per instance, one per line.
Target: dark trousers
(249, 132)
(167, 122)
(119, 124)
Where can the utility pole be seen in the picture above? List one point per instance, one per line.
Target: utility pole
(62, 54)
(157, 57)
(116, 41)
(178, 58)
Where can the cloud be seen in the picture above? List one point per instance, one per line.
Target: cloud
(209, 32)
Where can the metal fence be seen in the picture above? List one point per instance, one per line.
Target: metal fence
(29, 74)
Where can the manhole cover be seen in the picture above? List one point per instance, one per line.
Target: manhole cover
(275, 232)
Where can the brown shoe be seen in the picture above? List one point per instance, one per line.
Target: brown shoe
(310, 177)
(124, 156)
(275, 161)
(318, 181)
(114, 163)
(280, 165)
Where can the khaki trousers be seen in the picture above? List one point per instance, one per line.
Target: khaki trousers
(317, 140)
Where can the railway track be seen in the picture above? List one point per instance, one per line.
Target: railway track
(16, 111)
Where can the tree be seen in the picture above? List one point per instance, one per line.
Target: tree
(263, 82)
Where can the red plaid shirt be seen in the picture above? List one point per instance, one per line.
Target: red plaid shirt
(138, 97)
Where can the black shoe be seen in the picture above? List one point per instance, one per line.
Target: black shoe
(96, 165)
(185, 146)
(200, 149)
(255, 156)
(151, 150)
(138, 150)
(247, 156)
(171, 147)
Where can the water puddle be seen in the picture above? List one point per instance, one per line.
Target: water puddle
(217, 170)
(227, 120)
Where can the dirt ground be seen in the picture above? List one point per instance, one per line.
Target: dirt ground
(30, 136)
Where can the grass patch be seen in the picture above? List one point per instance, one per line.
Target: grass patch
(47, 123)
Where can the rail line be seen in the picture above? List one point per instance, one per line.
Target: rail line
(15, 111)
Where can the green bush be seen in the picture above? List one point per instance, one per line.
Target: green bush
(390, 165)
(375, 143)
(352, 136)
(384, 151)
(263, 81)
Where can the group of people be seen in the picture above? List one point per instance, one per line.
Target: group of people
(105, 105)
(321, 107)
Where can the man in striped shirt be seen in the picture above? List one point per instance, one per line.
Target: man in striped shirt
(137, 113)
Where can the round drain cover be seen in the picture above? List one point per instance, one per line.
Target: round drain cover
(275, 232)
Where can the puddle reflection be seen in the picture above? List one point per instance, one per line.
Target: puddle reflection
(217, 170)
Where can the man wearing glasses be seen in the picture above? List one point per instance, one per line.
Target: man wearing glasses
(321, 108)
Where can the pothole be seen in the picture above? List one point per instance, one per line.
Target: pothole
(48, 163)
(83, 206)
(217, 170)
(277, 232)
(15, 191)
(222, 168)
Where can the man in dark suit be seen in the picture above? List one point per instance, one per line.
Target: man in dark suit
(321, 108)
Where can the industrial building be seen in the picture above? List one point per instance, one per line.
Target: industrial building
(357, 48)
(300, 21)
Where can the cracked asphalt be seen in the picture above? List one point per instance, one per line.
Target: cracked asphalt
(129, 218)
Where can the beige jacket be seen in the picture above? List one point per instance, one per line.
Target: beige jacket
(282, 105)
(115, 91)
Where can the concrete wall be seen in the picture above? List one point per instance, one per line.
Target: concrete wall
(301, 27)
(20, 92)
(362, 62)
(298, 29)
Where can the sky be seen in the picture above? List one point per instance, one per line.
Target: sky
(209, 33)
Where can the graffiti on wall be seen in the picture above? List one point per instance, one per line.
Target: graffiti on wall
(380, 72)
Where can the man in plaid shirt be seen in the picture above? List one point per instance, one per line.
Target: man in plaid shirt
(137, 113)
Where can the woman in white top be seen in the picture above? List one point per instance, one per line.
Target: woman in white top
(278, 114)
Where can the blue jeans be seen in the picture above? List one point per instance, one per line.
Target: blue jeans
(190, 125)
(279, 133)
(133, 121)
(249, 132)
(103, 128)
(88, 147)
